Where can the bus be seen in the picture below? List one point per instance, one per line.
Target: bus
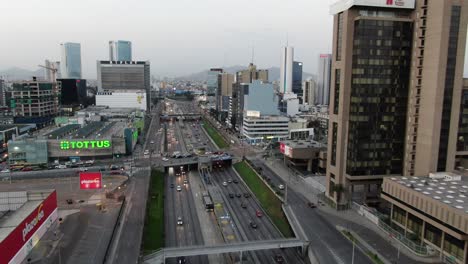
(209, 206)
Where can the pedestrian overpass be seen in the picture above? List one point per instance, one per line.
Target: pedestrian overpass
(160, 256)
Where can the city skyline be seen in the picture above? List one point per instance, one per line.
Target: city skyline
(173, 48)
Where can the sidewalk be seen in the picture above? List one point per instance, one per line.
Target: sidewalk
(351, 220)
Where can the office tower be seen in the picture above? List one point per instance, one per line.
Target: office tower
(223, 94)
(118, 76)
(71, 60)
(250, 74)
(462, 142)
(120, 50)
(212, 81)
(260, 97)
(297, 78)
(323, 79)
(395, 94)
(309, 88)
(2, 92)
(73, 92)
(286, 69)
(49, 73)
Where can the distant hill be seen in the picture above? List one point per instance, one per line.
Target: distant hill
(273, 74)
(17, 74)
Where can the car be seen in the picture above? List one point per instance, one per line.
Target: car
(146, 152)
(179, 188)
(181, 260)
(165, 159)
(259, 213)
(185, 181)
(246, 195)
(253, 224)
(113, 167)
(224, 184)
(179, 221)
(281, 187)
(230, 180)
(5, 171)
(69, 201)
(26, 169)
(172, 185)
(83, 169)
(231, 195)
(311, 205)
(151, 142)
(61, 166)
(238, 195)
(115, 172)
(279, 259)
(235, 181)
(243, 205)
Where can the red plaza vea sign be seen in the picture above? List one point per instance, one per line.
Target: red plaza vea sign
(23, 232)
(90, 180)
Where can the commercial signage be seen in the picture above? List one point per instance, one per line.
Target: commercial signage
(343, 5)
(90, 180)
(253, 113)
(285, 149)
(22, 234)
(85, 144)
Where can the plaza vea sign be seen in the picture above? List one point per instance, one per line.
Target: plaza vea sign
(90, 180)
(85, 144)
(27, 228)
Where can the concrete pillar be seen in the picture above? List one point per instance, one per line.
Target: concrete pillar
(442, 242)
(309, 165)
(423, 231)
(406, 221)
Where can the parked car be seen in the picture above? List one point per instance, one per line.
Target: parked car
(281, 187)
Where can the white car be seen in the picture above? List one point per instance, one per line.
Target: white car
(179, 188)
(151, 142)
(83, 169)
(281, 187)
(146, 152)
(224, 184)
(61, 166)
(165, 159)
(179, 221)
(5, 171)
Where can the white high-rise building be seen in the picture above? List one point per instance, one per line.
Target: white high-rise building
(71, 60)
(309, 88)
(120, 50)
(322, 96)
(286, 70)
(49, 73)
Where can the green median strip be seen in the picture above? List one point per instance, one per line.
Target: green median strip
(269, 201)
(153, 234)
(217, 138)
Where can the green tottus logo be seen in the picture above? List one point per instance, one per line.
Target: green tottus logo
(85, 144)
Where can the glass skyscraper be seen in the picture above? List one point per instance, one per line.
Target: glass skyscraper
(120, 50)
(71, 60)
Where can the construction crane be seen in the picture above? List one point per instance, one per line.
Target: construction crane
(53, 69)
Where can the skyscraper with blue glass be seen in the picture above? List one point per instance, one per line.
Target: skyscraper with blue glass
(71, 60)
(120, 50)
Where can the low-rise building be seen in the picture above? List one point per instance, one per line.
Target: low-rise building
(305, 154)
(432, 211)
(257, 129)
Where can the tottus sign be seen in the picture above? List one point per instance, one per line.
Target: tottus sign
(85, 144)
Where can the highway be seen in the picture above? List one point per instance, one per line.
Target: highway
(329, 245)
(243, 216)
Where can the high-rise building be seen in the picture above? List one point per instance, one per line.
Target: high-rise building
(49, 72)
(73, 92)
(260, 97)
(121, 76)
(297, 78)
(286, 70)
(462, 138)
(309, 88)
(250, 74)
(71, 60)
(323, 80)
(2, 92)
(120, 50)
(212, 81)
(395, 92)
(223, 94)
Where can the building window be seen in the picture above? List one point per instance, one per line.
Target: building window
(334, 143)
(339, 37)
(454, 246)
(336, 103)
(433, 234)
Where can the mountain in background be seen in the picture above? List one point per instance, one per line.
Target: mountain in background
(273, 74)
(18, 74)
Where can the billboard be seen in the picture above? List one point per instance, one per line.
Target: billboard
(13, 246)
(285, 149)
(90, 180)
(343, 5)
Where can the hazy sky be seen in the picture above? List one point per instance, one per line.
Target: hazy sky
(178, 36)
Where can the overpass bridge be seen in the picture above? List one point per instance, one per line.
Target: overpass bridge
(159, 257)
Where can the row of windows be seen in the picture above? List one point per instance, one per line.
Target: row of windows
(380, 62)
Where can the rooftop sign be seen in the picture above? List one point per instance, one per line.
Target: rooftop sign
(343, 5)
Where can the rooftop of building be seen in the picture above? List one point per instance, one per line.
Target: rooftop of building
(105, 110)
(17, 207)
(342, 5)
(297, 144)
(267, 118)
(94, 129)
(444, 187)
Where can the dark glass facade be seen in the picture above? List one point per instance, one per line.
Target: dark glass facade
(462, 142)
(297, 78)
(73, 92)
(448, 91)
(334, 143)
(336, 103)
(339, 39)
(379, 96)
